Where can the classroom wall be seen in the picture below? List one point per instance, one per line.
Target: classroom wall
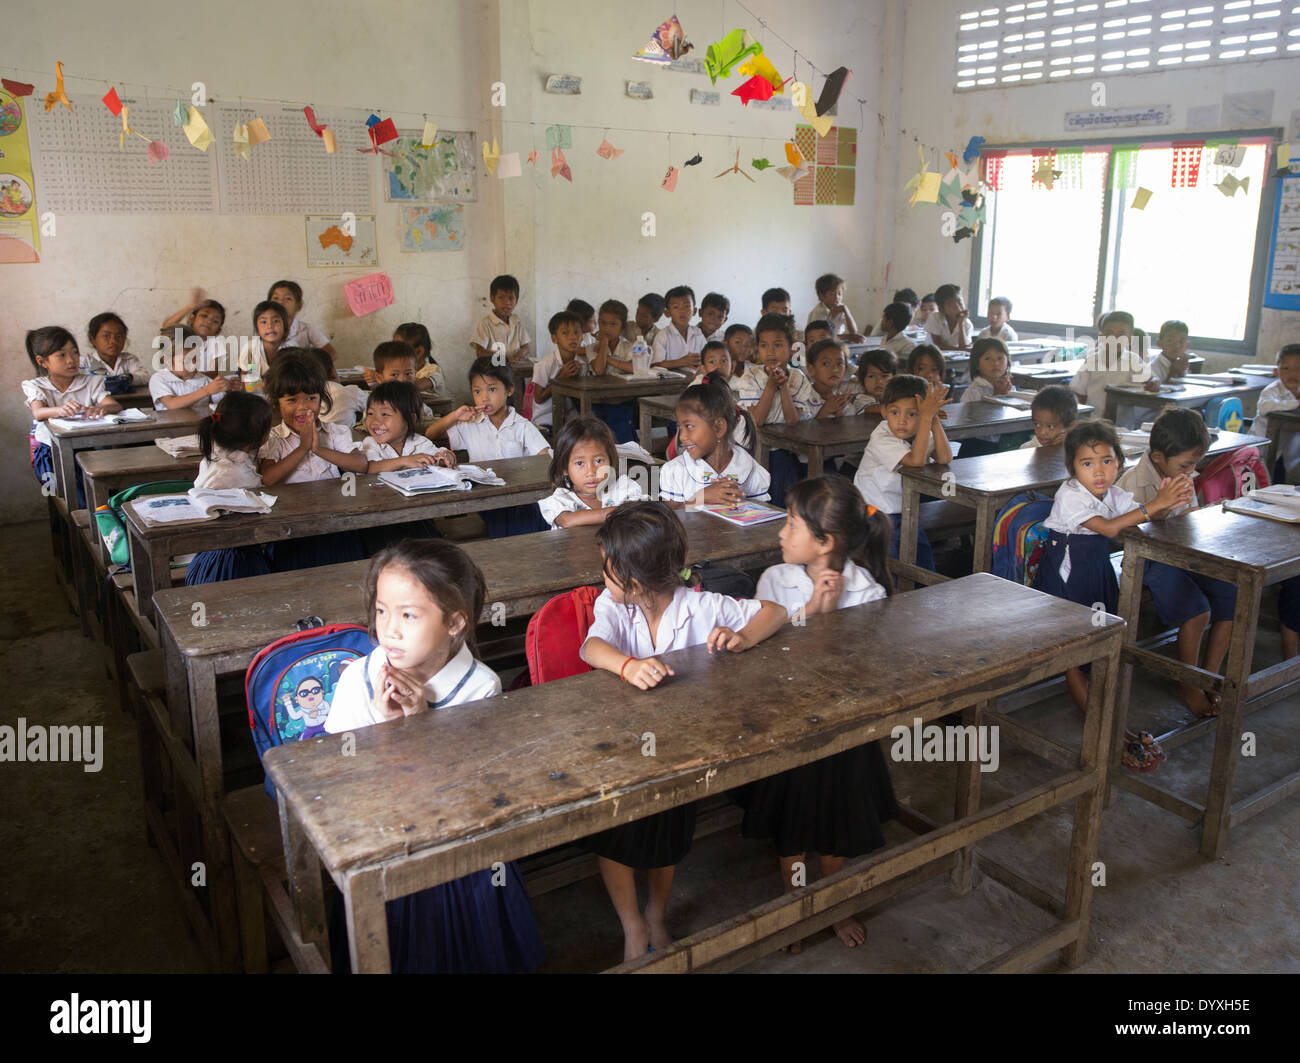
(924, 72)
(442, 57)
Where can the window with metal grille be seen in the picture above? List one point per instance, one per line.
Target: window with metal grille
(1046, 40)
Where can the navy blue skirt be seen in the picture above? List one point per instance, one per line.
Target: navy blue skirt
(786, 470)
(1181, 595)
(513, 520)
(1092, 579)
(661, 840)
(467, 926)
(236, 562)
(375, 539)
(1288, 603)
(43, 467)
(924, 552)
(316, 550)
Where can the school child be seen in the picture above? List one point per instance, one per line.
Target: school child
(347, 401)
(678, 344)
(646, 610)
(564, 361)
(909, 298)
(271, 321)
(1282, 394)
(428, 374)
(492, 430)
(502, 325)
(714, 309)
(423, 600)
(59, 389)
(815, 332)
(896, 318)
(107, 355)
(949, 326)
(988, 378)
(300, 333)
(229, 440)
(303, 448)
(926, 361)
(910, 434)
(776, 301)
(586, 313)
(711, 467)
(183, 386)
(1185, 600)
(207, 318)
(1053, 411)
(740, 345)
(999, 315)
(1087, 512)
(929, 305)
(1171, 363)
(833, 553)
(774, 393)
(875, 370)
(584, 470)
(396, 360)
(649, 309)
(831, 309)
(715, 358)
(616, 354)
(1118, 357)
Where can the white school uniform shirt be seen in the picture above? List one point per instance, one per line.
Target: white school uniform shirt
(822, 312)
(252, 357)
(516, 438)
(1090, 384)
(563, 500)
(1277, 397)
(429, 378)
(688, 621)
(86, 389)
(214, 359)
(463, 678)
(347, 403)
(944, 337)
(669, 344)
(1142, 481)
(305, 335)
(792, 587)
(878, 479)
(980, 390)
(1030, 443)
(283, 441)
(749, 389)
(1005, 333)
(92, 363)
(1162, 368)
(900, 346)
(622, 351)
(165, 382)
(719, 335)
(491, 329)
(412, 444)
(684, 477)
(546, 369)
(1074, 504)
(228, 468)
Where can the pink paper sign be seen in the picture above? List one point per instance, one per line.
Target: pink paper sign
(368, 294)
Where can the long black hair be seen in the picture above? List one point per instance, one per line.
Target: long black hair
(645, 543)
(241, 421)
(833, 509)
(715, 400)
(446, 572)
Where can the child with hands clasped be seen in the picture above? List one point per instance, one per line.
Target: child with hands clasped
(988, 371)
(833, 549)
(827, 367)
(584, 470)
(774, 393)
(423, 599)
(646, 610)
(566, 360)
(678, 345)
(711, 467)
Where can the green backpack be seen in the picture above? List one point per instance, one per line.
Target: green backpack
(112, 525)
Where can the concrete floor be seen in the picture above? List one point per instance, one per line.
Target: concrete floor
(81, 891)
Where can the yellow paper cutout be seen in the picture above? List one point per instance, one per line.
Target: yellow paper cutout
(792, 154)
(428, 137)
(821, 123)
(761, 66)
(58, 95)
(1283, 152)
(331, 144)
(196, 129)
(1141, 198)
(492, 155)
(239, 139)
(928, 190)
(127, 130)
(257, 132)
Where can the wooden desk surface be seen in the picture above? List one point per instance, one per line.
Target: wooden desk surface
(822, 431)
(135, 399)
(552, 763)
(248, 614)
(159, 423)
(133, 461)
(1269, 547)
(1187, 393)
(613, 386)
(661, 405)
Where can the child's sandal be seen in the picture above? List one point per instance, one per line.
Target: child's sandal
(1151, 746)
(1138, 760)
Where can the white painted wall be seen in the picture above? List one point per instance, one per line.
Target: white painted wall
(924, 74)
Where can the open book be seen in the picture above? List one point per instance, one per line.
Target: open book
(1019, 400)
(1279, 502)
(199, 503)
(745, 513)
(426, 479)
(125, 417)
(179, 446)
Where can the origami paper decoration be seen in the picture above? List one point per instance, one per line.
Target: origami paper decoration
(666, 44)
(1230, 155)
(112, 102)
(694, 160)
(608, 151)
(382, 132)
(756, 88)
(532, 156)
(723, 54)
(559, 136)
(793, 173)
(736, 169)
(1141, 198)
(962, 234)
(428, 137)
(759, 164)
(801, 92)
(972, 151)
(1045, 175)
(491, 155)
(924, 184)
(759, 65)
(835, 82)
(508, 166)
(58, 95)
(372, 121)
(316, 127)
(669, 183)
(196, 129)
(331, 143)
(239, 139)
(180, 114)
(158, 152)
(560, 165)
(127, 131)
(1229, 185)
(257, 132)
(792, 154)
(17, 88)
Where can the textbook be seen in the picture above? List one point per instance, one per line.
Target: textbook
(427, 479)
(745, 513)
(125, 417)
(1278, 502)
(179, 446)
(1019, 400)
(199, 503)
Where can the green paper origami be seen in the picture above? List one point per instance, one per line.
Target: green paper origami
(724, 54)
(760, 164)
(559, 136)
(182, 114)
(1229, 185)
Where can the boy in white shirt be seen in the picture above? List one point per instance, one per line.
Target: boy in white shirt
(1053, 411)
(1171, 363)
(566, 360)
(713, 316)
(999, 315)
(1118, 357)
(949, 326)
(586, 313)
(831, 309)
(1282, 394)
(678, 345)
(896, 318)
(649, 309)
(502, 325)
(183, 386)
(777, 301)
(299, 333)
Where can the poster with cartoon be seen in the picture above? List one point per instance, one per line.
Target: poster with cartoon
(20, 240)
(304, 692)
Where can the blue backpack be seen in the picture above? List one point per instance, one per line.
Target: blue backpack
(1018, 537)
(290, 684)
(1225, 413)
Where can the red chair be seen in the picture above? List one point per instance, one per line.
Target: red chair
(556, 633)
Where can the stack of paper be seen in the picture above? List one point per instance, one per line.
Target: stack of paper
(125, 417)
(745, 513)
(427, 479)
(634, 451)
(200, 504)
(180, 446)
(1279, 502)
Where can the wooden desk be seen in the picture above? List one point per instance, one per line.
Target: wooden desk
(305, 509)
(651, 408)
(1251, 553)
(1039, 376)
(567, 761)
(817, 439)
(1188, 394)
(105, 472)
(439, 404)
(135, 399)
(609, 387)
(244, 616)
(67, 441)
(989, 482)
(1021, 353)
(1281, 423)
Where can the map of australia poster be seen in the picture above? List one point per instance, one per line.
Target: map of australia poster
(336, 240)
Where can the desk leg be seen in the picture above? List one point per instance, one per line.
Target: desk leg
(911, 521)
(646, 427)
(1112, 405)
(984, 518)
(304, 878)
(363, 899)
(65, 472)
(1130, 608)
(816, 459)
(1227, 739)
(968, 801)
(762, 452)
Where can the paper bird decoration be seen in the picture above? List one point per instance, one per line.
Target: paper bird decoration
(315, 126)
(760, 65)
(17, 88)
(158, 152)
(1229, 185)
(792, 154)
(383, 132)
(694, 160)
(429, 137)
(925, 184)
(181, 114)
(492, 155)
(972, 151)
(1045, 175)
(58, 95)
(608, 151)
(835, 82)
(961, 234)
(723, 54)
(1141, 198)
(736, 169)
(112, 102)
(952, 159)
(756, 88)
(331, 142)
(533, 156)
(239, 139)
(196, 129)
(668, 43)
(760, 164)
(793, 173)
(127, 131)
(801, 92)
(560, 165)
(669, 183)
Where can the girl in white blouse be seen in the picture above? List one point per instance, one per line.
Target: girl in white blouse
(584, 469)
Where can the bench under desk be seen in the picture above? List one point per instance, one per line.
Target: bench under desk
(566, 761)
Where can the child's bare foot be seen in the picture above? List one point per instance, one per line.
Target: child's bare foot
(794, 948)
(635, 941)
(1201, 704)
(850, 931)
(660, 938)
